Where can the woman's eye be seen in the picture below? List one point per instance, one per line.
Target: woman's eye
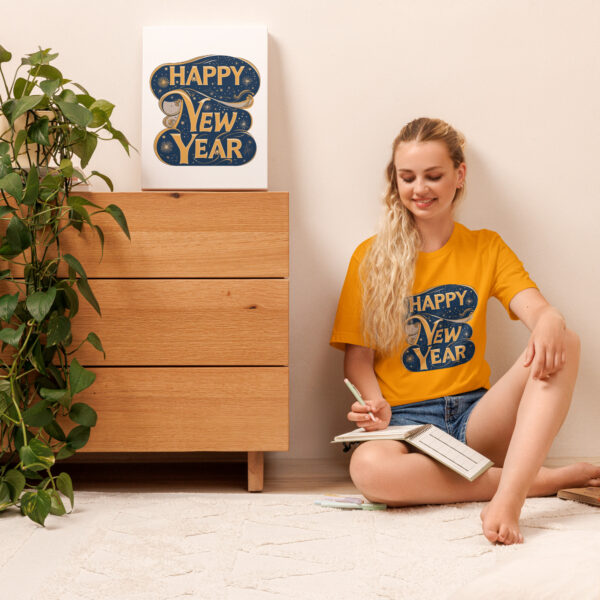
(407, 180)
(436, 178)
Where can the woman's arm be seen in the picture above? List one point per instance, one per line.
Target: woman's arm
(546, 350)
(358, 368)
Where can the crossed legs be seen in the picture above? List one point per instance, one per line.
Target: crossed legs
(514, 425)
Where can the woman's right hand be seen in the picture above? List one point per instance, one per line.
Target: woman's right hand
(381, 411)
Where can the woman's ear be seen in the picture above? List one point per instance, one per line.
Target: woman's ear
(462, 173)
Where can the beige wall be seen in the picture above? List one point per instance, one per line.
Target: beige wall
(520, 78)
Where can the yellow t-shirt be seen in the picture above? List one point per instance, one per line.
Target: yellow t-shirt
(444, 353)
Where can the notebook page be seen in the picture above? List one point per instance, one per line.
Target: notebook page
(453, 453)
(395, 432)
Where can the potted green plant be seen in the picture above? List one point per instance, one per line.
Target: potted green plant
(49, 129)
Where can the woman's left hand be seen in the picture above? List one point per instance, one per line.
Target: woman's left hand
(546, 350)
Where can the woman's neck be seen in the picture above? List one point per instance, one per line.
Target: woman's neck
(434, 235)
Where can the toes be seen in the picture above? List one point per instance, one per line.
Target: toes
(491, 535)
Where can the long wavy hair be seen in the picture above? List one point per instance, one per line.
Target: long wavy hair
(387, 271)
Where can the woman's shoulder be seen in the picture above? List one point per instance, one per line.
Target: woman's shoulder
(362, 248)
(477, 237)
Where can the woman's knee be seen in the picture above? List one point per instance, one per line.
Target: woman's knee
(371, 459)
(573, 343)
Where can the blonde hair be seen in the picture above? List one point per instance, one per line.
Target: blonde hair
(387, 271)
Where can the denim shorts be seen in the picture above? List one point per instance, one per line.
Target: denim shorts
(449, 413)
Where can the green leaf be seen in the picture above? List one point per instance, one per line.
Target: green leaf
(38, 132)
(85, 148)
(104, 105)
(17, 235)
(65, 485)
(83, 414)
(5, 499)
(36, 505)
(118, 135)
(40, 303)
(98, 118)
(78, 437)
(5, 210)
(71, 297)
(56, 431)
(56, 507)
(86, 291)
(80, 378)
(65, 452)
(5, 55)
(39, 415)
(4, 148)
(36, 455)
(5, 402)
(32, 188)
(12, 336)
(8, 304)
(49, 86)
(48, 72)
(22, 87)
(42, 57)
(75, 265)
(66, 167)
(55, 395)
(16, 483)
(13, 185)
(75, 113)
(101, 238)
(36, 357)
(94, 340)
(117, 214)
(85, 99)
(19, 139)
(19, 107)
(68, 96)
(59, 328)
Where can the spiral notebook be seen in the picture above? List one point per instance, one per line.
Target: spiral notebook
(430, 440)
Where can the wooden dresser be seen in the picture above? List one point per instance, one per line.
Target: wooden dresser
(194, 324)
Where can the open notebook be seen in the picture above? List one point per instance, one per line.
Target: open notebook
(430, 440)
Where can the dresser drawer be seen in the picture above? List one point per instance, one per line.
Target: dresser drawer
(188, 409)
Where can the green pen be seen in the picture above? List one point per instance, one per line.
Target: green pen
(357, 395)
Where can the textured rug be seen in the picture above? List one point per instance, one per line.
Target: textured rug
(126, 546)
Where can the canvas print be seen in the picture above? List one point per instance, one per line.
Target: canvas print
(204, 108)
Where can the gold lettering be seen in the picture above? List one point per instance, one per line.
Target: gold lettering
(429, 331)
(449, 297)
(448, 355)
(183, 149)
(414, 304)
(452, 334)
(180, 75)
(231, 149)
(222, 72)
(460, 352)
(428, 303)
(201, 147)
(237, 74)
(439, 298)
(435, 356)
(461, 297)
(422, 359)
(208, 73)
(205, 122)
(225, 120)
(194, 76)
(438, 336)
(217, 147)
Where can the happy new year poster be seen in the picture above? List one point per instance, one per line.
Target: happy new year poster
(204, 108)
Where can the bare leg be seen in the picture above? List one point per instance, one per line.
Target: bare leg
(385, 471)
(540, 411)
(514, 424)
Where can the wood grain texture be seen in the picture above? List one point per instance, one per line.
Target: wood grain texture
(256, 471)
(188, 409)
(188, 234)
(186, 322)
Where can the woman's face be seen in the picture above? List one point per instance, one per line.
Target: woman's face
(427, 179)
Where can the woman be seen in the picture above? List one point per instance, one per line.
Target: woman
(411, 319)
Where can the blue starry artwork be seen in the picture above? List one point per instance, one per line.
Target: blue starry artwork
(439, 336)
(206, 102)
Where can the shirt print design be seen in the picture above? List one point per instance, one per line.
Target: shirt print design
(439, 336)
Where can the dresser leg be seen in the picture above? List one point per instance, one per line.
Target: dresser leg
(255, 471)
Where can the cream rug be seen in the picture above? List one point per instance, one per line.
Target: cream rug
(174, 546)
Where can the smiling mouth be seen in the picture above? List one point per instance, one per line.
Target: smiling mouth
(423, 202)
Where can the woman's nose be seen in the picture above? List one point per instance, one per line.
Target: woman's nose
(421, 187)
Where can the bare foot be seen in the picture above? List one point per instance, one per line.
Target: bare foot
(500, 520)
(579, 474)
